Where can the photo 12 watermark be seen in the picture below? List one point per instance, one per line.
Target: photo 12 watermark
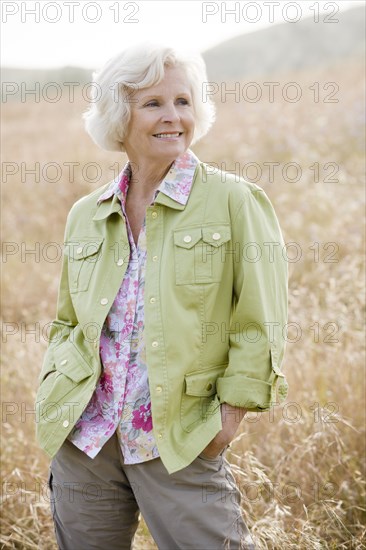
(270, 91)
(224, 91)
(269, 12)
(255, 491)
(317, 332)
(70, 12)
(249, 252)
(74, 172)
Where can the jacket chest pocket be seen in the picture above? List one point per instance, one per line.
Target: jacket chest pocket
(200, 253)
(83, 256)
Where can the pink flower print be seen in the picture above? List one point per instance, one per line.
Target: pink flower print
(106, 382)
(142, 418)
(117, 346)
(123, 184)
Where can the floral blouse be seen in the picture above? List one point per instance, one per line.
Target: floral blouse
(121, 400)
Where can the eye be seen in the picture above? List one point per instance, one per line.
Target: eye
(183, 101)
(151, 104)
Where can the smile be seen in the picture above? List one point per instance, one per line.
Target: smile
(168, 135)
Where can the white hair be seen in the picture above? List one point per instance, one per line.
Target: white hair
(138, 67)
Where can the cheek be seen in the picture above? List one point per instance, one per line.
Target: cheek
(190, 122)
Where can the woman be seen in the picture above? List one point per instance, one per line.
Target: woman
(169, 325)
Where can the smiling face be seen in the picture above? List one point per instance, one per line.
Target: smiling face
(162, 119)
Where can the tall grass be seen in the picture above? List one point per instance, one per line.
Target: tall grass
(300, 467)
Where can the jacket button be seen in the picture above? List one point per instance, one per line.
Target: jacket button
(187, 239)
(96, 344)
(158, 389)
(216, 236)
(79, 250)
(154, 258)
(160, 436)
(104, 301)
(65, 423)
(154, 215)
(152, 300)
(209, 386)
(120, 262)
(63, 362)
(155, 344)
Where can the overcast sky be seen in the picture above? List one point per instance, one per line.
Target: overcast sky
(84, 33)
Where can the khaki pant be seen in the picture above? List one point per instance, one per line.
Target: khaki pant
(95, 503)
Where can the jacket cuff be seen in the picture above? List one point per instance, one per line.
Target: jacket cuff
(251, 393)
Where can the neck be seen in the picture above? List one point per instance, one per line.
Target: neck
(146, 176)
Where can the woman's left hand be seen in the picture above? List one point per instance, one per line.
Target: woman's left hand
(231, 418)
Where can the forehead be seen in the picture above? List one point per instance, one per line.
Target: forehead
(175, 80)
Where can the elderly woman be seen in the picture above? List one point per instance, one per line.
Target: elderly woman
(169, 327)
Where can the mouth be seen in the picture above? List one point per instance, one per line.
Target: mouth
(168, 135)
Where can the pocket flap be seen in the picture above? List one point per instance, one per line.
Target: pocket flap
(83, 248)
(274, 362)
(280, 381)
(216, 235)
(47, 368)
(186, 238)
(71, 363)
(203, 383)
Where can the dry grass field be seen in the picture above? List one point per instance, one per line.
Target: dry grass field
(301, 467)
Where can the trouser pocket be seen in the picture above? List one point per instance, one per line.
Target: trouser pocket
(216, 462)
(51, 491)
(215, 458)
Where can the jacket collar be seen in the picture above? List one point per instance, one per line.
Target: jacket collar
(108, 207)
(173, 191)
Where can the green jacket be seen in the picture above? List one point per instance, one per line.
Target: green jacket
(215, 311)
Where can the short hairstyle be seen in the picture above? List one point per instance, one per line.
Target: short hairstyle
(137, 67)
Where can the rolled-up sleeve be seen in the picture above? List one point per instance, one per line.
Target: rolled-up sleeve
(253, 378)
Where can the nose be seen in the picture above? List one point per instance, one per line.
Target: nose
(170, 113)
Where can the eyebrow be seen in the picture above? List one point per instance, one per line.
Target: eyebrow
(157, 96)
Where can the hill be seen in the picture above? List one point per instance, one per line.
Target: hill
(289, 47)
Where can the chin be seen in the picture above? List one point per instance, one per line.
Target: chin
(171, 151)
